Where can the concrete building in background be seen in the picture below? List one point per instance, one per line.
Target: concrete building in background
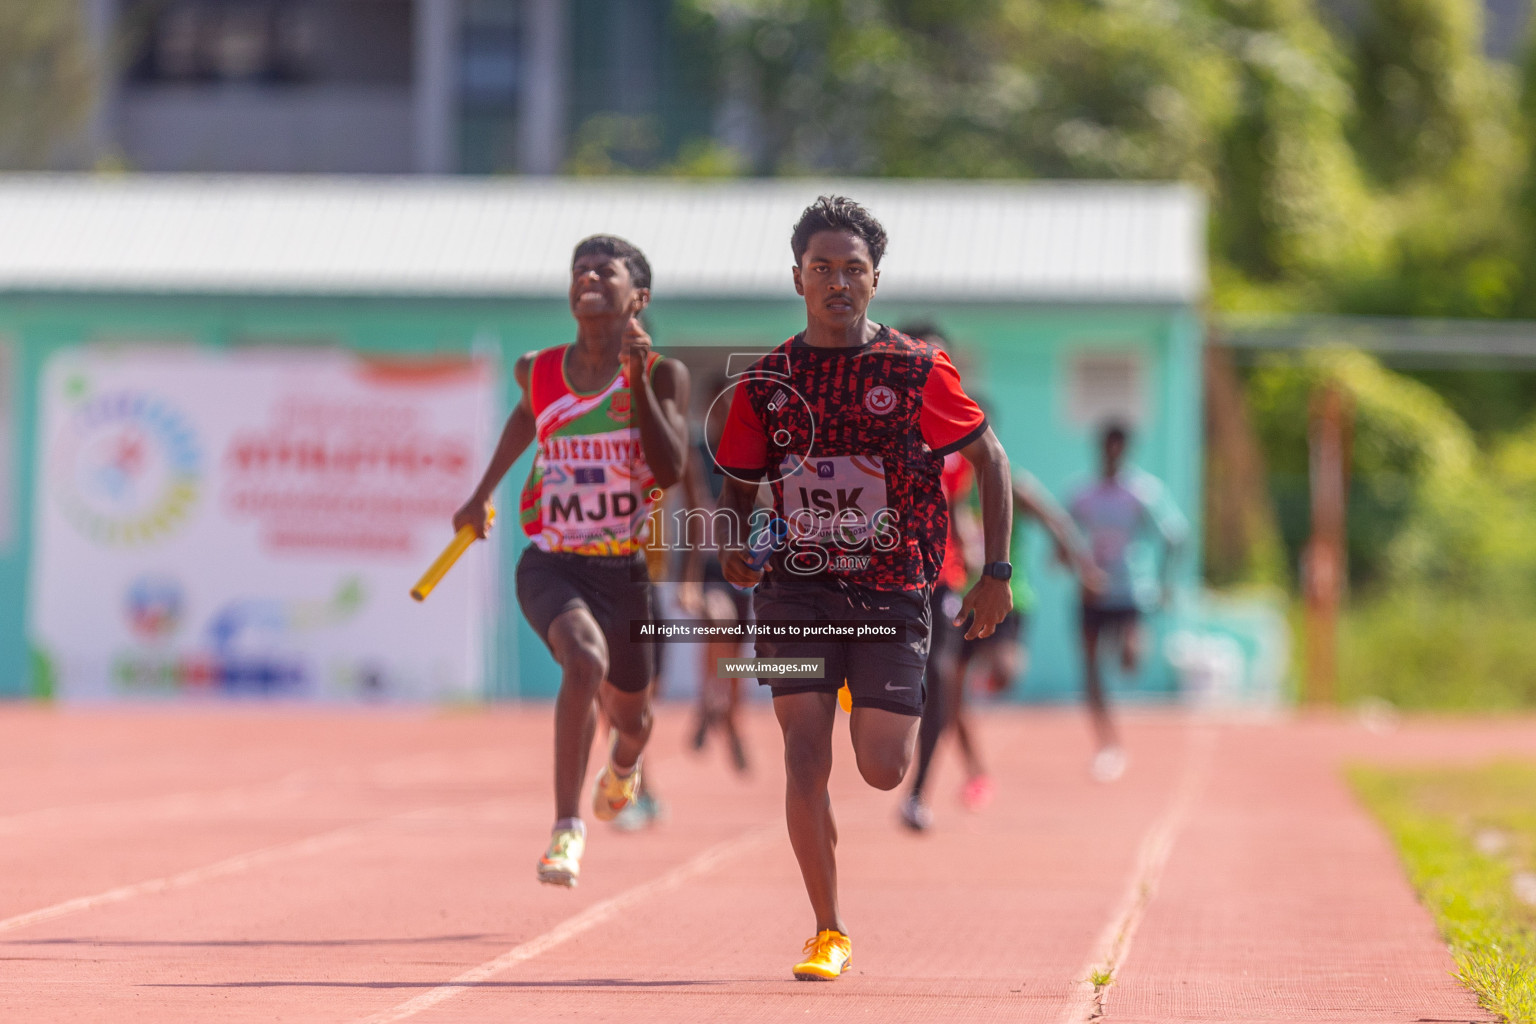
(384, 86)
(1069, 305)
(437, 86)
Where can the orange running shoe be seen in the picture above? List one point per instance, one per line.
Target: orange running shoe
(828, 955)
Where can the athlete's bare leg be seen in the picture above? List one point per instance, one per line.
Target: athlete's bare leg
(969, 749)
(1093, 687)
(882, 745)
(806, 720)
(630, 716)
(582, 653)
(732, 698)
(715, 697)
(942, 677)
(1132, 641)
(706, 706)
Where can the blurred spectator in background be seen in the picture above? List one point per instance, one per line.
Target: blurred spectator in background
(1116, 512)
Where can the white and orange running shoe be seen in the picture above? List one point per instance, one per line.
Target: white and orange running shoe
(561, 863)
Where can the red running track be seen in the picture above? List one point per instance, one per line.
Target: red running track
(321, 865)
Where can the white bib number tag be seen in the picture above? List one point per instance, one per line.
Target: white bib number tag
(586, 503)
(833, 500)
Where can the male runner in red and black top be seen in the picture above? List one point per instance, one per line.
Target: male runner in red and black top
(608, 414)
(850, 422)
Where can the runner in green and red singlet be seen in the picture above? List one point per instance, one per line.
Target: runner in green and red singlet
(609, 418)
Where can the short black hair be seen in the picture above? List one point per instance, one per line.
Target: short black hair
(838, 213)
(926, 330)
(1114, 430)
(616, 248)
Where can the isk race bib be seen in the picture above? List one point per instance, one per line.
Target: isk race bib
(835, 500)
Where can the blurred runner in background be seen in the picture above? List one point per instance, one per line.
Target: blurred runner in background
(1117, 512)
(706, 595)
(955, 663)
(646, 809)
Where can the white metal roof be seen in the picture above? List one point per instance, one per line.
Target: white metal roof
(996, 241)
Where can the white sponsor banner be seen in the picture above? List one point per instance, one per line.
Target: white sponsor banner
(251, 522)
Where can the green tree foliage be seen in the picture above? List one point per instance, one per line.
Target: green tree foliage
(1428, 507)
(1290, 202)
(1426, 95)
(979, 88)
(1524, 206)
(1367, 169)
(46, 80)
(1436, 129)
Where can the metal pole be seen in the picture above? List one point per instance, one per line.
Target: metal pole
(435, 86)
(100, 20)
(1324, 565)
(546, 69)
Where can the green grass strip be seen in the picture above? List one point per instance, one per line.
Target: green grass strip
(1435, 818)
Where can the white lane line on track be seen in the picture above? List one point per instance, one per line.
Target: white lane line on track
(1114, 942)
(415, 770)
(321, 843)
(570, 928)
(223, 802)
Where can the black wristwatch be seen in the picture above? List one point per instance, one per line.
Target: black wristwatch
(998, 570)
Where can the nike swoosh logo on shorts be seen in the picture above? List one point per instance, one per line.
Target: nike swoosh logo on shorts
(888, 686)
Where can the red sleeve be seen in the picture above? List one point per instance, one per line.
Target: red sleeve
(956, 477)
(743, 449)
(950, 418)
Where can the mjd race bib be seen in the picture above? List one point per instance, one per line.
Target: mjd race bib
(834, 499)
(590, 505)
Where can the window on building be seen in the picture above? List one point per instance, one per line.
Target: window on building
(274, 42)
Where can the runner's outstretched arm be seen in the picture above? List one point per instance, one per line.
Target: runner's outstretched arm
(1172, 534)
(516, 435)
(991, 599)
(695, 496)
(1168, 523)
(1030, 499)
(660, 406)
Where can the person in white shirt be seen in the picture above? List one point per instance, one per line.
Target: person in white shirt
(1118, 513)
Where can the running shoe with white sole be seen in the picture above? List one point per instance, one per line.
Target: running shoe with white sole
(561, 863)
(828, 955)
(916, 815)
(1108, 764)
(612, 792)
(642, 812)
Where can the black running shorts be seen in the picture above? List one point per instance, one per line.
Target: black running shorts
(1110, 619)
(616, 590)
(885, 675)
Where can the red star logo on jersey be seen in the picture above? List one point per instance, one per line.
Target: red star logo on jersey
(880, 400)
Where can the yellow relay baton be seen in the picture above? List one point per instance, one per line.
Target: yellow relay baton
(456, 547)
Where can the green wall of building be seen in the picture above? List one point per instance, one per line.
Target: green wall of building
(1015, 356)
